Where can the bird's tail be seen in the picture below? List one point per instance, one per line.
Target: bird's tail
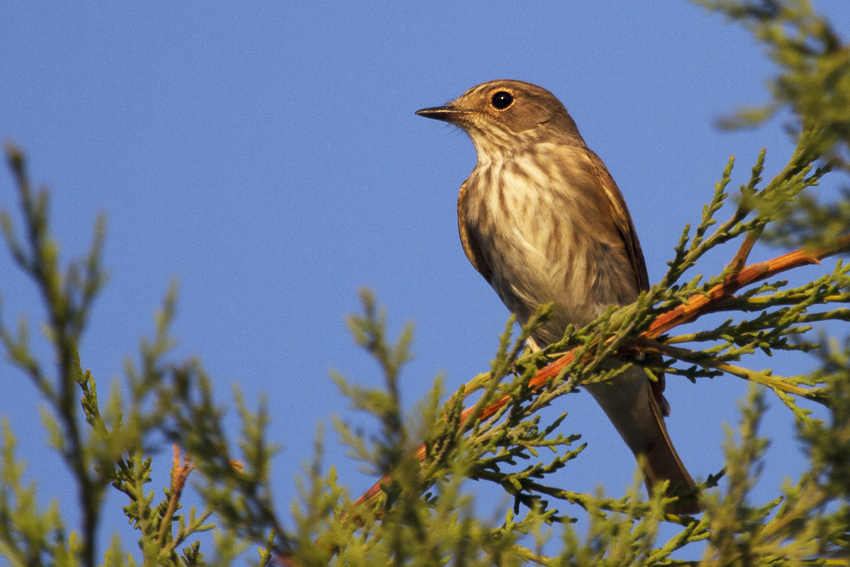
(661, 462)
(634, 410)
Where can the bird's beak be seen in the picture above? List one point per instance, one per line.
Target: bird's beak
(445, 113)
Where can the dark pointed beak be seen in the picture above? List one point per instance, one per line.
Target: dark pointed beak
(444, 113)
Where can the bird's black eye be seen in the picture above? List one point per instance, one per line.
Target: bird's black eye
(501, 100)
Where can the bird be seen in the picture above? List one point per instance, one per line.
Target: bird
(542, 220)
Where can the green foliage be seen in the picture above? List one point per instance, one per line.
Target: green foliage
(422, 512)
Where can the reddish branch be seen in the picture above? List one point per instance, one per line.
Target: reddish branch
(181, 467)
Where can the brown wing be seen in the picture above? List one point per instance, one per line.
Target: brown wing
(470, 246)
(626, 228)
(622, 219)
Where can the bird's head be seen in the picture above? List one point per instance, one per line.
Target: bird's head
(503, 116)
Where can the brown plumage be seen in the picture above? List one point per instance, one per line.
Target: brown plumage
(542, 220)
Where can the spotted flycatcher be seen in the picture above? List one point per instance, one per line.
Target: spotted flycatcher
(542, 220)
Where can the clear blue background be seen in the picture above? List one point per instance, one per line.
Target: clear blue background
(266, 154)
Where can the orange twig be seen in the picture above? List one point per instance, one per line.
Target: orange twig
(698, 304)
(740, 259)
(180, 469)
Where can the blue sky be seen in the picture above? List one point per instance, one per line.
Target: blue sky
(266, 154)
